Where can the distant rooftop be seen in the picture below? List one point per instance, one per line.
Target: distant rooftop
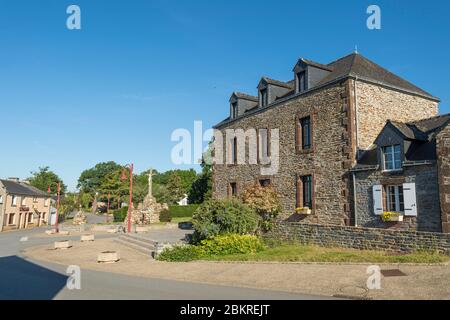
(22, 188)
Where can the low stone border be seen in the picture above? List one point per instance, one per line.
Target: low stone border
(359, 238)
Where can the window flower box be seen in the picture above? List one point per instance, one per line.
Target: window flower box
(392, 217)
(305, 211)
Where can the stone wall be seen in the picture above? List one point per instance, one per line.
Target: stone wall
(427, 198)
(443, 155)
(359, 238)
(377, 104)
(325, 162)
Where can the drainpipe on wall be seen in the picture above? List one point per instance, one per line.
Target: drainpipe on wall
(355, 208)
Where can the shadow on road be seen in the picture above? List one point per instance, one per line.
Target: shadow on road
(24, 280)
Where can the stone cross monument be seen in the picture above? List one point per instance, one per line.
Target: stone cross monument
(148, 211)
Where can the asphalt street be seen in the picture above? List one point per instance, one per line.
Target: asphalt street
(33, 280)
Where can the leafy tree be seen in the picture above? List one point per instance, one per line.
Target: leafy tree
(140, 187)
(68, 204)
(187, 177)
(201, 189)
(92, 180)
(44, 177)
(86, 200)
(175, 188)
(161, 193)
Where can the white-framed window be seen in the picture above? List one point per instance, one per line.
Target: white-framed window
(1, 199)
(46, 202)
(392, 157)
(14, 200)
(395, 201)
(395, 198)
(23, 202)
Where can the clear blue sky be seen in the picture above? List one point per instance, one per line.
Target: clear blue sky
(137, 70)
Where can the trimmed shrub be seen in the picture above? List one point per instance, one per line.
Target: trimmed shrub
(180, 253)
(120, 214)
(218, 246)
(231, 244)
(216, 217)
(183, 211)
(165, 216)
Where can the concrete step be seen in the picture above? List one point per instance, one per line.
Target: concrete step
(139, 239)
(137, 247)
(146, 243)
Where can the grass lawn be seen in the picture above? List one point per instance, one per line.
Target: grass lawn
(304, 253)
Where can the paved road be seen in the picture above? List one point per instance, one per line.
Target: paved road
(28, 279)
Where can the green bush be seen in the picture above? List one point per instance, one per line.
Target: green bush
(218, 246)
(181, 253)
(231, 244)
(216, 217)
(183, 211)
(165, 216)
(120, 214)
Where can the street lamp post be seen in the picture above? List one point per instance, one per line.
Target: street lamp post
(57, 203)
(130, 204)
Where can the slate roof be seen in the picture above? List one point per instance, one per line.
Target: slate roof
(432, 124)
(245, 96)
(317, 65)
(21, 188)
(355, 66)
(288, 85)
(422, 135)
(409, 131)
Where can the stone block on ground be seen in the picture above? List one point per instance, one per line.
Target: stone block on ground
(108, 257)
(61, 245)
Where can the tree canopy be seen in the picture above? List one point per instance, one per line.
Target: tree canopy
(44, 178)
(92, 180)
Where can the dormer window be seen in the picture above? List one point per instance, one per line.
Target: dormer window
(301, 81)
(392, 157)
(264, 98)
(234, 110)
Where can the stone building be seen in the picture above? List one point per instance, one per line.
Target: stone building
(22, 205)
(400, 173)
(327, 118)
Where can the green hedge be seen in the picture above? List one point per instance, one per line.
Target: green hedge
(120, 214)
(182, 211)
